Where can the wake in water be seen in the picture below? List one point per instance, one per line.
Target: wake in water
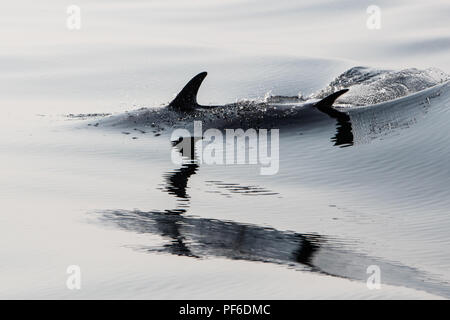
(370, 86)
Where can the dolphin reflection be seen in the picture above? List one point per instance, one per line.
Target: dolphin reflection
(177, 180)
(202, 238)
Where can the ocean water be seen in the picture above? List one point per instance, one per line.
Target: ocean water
(99, 191)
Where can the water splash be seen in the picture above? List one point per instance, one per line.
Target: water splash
(370, 86)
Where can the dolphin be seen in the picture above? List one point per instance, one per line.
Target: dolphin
(184, 109)
(362, 123)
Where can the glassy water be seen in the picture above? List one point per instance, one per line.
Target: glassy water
(370, 188)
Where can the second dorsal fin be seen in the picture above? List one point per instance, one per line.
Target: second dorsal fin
(186, 100)
(326, 103)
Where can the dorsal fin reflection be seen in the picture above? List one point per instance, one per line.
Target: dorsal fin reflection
(177, 180)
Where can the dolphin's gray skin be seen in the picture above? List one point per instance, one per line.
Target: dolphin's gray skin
(359, 124)
(355, 125)
(184, 110)
(186, 100)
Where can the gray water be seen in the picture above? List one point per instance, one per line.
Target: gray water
(372, 190)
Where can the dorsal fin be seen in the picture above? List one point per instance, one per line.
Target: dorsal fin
(326, 103)
(186, 100)
(344, 136)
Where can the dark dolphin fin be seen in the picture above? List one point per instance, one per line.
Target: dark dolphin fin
(325, 104)
(186, 100)
(344, 135)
